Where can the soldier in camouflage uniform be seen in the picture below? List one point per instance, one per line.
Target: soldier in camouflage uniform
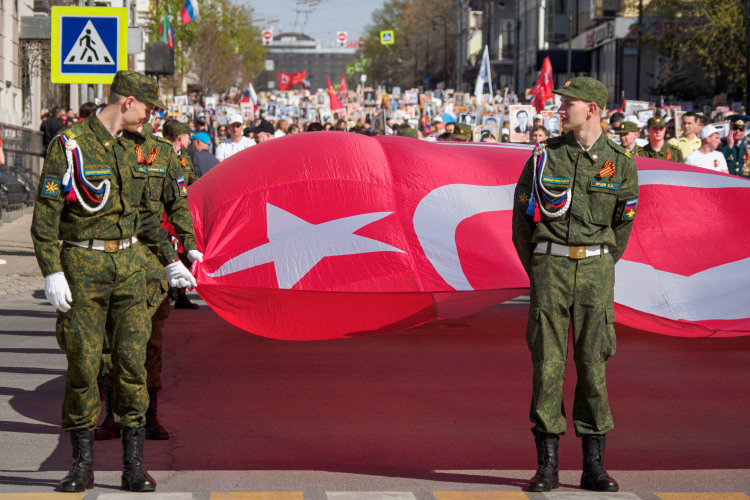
(168, 194)
(628, 132)
(92, 190)
(656, 147)
(179, 135)
(575, 203)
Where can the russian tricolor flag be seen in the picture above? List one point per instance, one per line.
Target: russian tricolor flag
(189, 11)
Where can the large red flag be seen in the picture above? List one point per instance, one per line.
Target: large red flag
(543, 89)
(332, 235)
(335, 102)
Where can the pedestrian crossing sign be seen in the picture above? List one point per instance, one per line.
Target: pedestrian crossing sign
(89, 44)
(386, 37)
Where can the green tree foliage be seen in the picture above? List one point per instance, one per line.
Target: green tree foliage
(425, 34)
(218, 49)
(701, 44)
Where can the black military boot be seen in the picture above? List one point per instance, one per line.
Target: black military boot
(107, 429)
(182, 302)
(81, 475)
(594, 476)
(134, 474)
(546, 477)
(154, 430)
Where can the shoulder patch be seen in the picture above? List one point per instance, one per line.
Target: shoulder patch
(631, 206)
(51, 188)
(182, 187)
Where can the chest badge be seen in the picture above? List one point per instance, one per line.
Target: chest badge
(142, 160)
(607, 170)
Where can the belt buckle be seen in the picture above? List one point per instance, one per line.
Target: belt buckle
(111, 246)
(578, 253)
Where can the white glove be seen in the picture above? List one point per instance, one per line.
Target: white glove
(179, 276)
(194, 255)
(57, 291)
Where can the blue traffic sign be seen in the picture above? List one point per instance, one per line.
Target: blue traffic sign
(89, 44)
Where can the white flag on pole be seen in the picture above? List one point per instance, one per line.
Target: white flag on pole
(484, 76)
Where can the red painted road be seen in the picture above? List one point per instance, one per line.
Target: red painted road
(446, 396)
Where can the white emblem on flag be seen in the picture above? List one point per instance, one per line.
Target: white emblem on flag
(89, 48)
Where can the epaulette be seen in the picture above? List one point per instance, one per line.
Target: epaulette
(162, 139)
(618, 148)
(74, 130)
(554, 141)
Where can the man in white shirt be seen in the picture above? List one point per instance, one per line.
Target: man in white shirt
(706, 156)
(236, 142)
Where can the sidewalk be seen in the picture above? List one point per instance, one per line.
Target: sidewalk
(20, 276)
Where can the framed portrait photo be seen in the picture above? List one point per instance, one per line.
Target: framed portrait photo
(521, 123)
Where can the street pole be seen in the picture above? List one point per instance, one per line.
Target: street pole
(570, 39)
(638, 59)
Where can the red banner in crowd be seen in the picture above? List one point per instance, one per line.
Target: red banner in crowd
(289, 80)
(542, 91)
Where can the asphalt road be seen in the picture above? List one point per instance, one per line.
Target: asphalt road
(417, 414)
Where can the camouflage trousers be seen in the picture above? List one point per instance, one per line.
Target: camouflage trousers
(158, 309)
(109, 301)
(567, 295)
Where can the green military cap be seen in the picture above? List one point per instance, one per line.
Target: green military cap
(409, 132)
(462, 132)
(586, 89)
(656, 121)
(138, 85)
(626, 127)
(172, 129)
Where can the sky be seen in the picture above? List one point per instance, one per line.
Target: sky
(326, 19)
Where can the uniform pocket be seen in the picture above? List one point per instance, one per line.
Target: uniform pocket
(602, 201)
(155, 186)
(609, 327)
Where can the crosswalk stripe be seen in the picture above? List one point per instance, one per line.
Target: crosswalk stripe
(258, 495)
(42, 496)
(479, 495)
(370, 495)
(174, 495)
(702, 496)
(590, 495)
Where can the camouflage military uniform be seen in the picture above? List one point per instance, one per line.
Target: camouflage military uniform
(667, 152)
(108, 289)
(579, 292)
(168, 182)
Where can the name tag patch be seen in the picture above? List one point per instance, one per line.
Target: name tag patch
(140, 169)
(559, 181)
(97, 171)
(157, 170)
(612, 186)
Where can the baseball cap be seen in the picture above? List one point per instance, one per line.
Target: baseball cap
(437, 119)
(656, 121)
(586, 89)
(626, 127)
(131, 83)
(235, 118)
(263, 126)
(203, 137)
(707, 131)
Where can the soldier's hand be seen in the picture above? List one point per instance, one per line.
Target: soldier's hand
(194, 255)
(57, 291)
(179, 276)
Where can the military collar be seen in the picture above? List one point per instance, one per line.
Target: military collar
(594, 152)
(101, 132)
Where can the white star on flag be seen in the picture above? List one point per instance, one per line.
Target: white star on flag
(295, 246)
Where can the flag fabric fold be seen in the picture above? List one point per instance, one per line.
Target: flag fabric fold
(542, 91)
(289, 80)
